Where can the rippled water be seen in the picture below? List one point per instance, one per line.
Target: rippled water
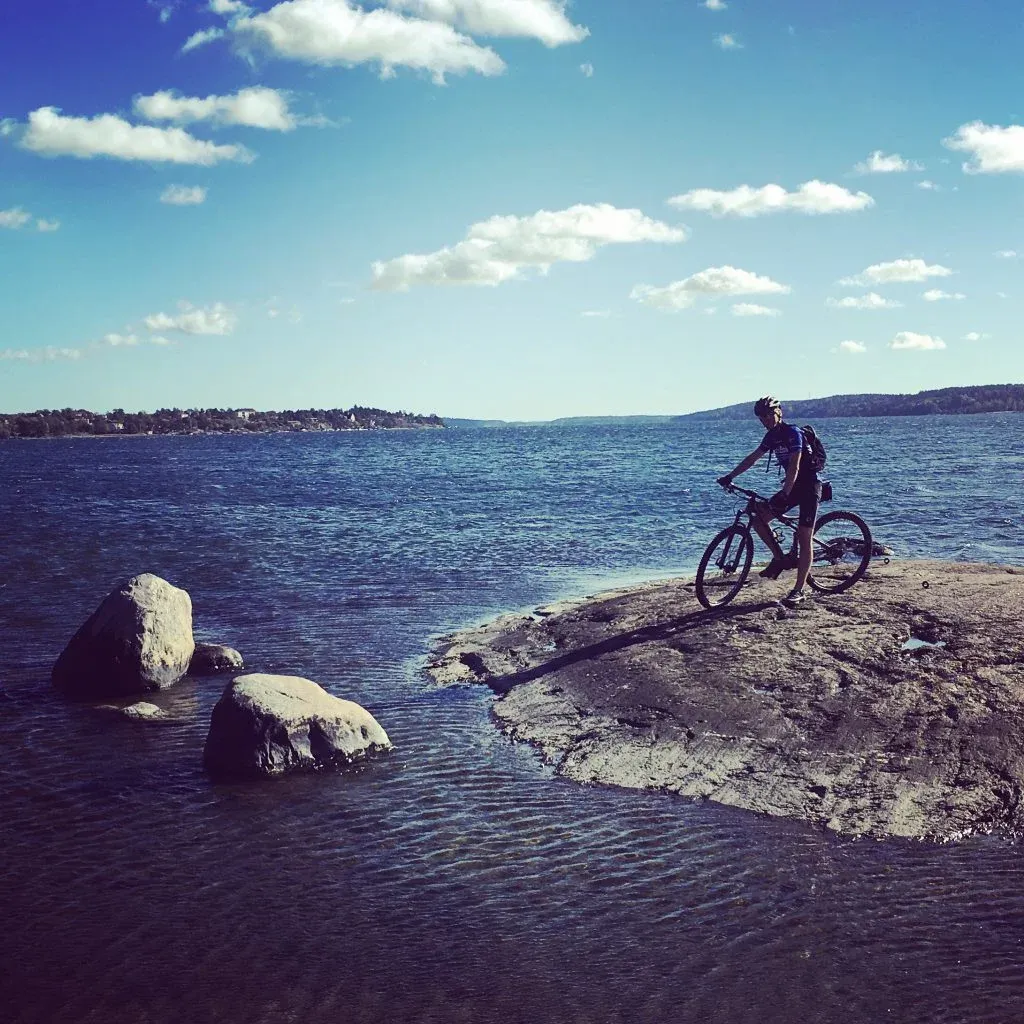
(456, 880)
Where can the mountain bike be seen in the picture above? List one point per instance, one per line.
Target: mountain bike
(842, 552)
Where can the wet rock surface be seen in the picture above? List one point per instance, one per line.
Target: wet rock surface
(211, 659)
(824, 713)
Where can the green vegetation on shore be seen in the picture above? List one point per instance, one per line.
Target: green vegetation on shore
(945, 401)
(67, 422)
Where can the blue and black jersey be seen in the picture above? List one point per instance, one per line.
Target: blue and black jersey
(785, 441)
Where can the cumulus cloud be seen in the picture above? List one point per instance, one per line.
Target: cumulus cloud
(929, 186)
(215, 319)
(881, 163)
(50, 133)
(544, 20)
(920, 342)
(47, 225)
(201, 38)
(7, 126)
(588, 70)
(938, 295)
(715, 5)
(1007, 254)
(602, 313)
(993, 149)
(725, 41)
(853, 347)
(183, 195)
(120, 340)
(897, 272)
(974, 336)
(753, 309)
(811, 197)
(228, 7)
(339, 32)
(14, 218)
(870, 301)
(714, 281)
(502, 247)
(255, 107)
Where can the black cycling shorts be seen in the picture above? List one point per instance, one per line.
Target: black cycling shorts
(806, 494)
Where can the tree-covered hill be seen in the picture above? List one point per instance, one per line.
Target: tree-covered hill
(64, 422)
(946, 401)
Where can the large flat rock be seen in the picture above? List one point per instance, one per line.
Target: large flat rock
(822, 713)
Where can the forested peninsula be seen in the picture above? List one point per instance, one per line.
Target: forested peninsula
(78, 422)
(945, 401)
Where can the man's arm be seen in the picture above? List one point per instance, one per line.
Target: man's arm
(743, 466)
(791, 471)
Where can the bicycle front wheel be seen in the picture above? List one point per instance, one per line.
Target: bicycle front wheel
(724, 567)
(842, 552)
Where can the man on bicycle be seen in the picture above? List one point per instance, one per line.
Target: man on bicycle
(800, 487)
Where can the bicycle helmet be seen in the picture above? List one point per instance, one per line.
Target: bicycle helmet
(766, 404)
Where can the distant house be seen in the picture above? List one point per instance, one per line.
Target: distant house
(244, 414)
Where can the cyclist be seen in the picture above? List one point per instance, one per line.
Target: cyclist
(800, 487)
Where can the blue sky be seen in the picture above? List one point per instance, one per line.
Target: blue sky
(517, 209)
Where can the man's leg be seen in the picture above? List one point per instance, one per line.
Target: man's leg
(762, 526)
(805, 541)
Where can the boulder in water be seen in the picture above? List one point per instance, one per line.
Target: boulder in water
(209, 659)
(139, 639)
(266, 725)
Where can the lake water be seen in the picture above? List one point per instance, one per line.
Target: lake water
(456, 880)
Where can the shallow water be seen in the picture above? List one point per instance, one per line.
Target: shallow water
(456, 880)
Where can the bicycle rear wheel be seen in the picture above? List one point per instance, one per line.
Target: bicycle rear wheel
(842, 552)
(724, 567)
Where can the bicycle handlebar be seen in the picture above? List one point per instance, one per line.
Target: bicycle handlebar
(736, 489)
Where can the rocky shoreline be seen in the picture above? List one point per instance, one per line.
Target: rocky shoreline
(894, 710)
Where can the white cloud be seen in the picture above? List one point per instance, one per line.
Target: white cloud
(713, 281)
(602, 313)
(897, 272)
(993, 149)
(338, 32)
(120, 340)
(974, 336)
(725, 41)
(853, 347)
(47, 225)
(928, 185)
(183, 195)
(912, 340)
(811, 197)
(255, 107)
(164, 10)
(49, 354)
(588, 70)
(500, 248)
(544, 20)
(227, 6)
(1007, 254)
(215, 319)
(715, 5)
(201, 38)
(51, 134)
(753, 309)
(7, 126)
(881, 163)
(870, 301)
(14, 218)
(938, 295)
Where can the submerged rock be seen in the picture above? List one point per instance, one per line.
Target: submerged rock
(141, 711)
(209, 659)
(267, 724)
(139, 639)
(823, 713)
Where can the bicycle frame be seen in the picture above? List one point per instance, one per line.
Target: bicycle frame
(792, 523)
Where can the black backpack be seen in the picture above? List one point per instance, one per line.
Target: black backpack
(813, 448)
